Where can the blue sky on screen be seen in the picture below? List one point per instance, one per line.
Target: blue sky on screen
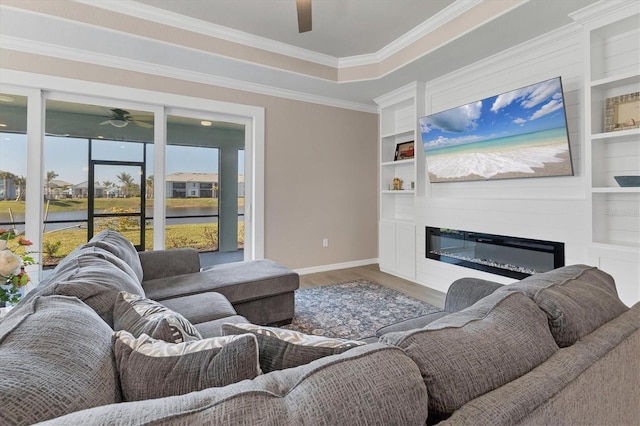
(527, 110)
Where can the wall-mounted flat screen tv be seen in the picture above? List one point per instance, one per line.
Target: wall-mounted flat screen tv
(522, 133)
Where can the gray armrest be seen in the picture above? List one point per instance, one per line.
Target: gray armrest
(467, 291)
(167, 263)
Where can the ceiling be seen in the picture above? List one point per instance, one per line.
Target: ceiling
(357, 51)
(341, 28)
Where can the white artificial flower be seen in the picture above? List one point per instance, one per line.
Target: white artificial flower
(9, 263)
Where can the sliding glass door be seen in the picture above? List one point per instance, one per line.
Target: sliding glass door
(71, 143)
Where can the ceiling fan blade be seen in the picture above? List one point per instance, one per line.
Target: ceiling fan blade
(304, 15)
(142, 124)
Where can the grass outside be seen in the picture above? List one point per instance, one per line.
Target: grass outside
(58, 244)
(71, 204)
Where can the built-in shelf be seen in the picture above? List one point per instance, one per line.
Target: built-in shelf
(399, 112)
(399, 192)
(618, 190)
(615, 81)
(612, 30)
(398, 133)
(409, 162)
(628, 134)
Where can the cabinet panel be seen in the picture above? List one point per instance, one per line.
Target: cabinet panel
(406, 250)
(387, 246)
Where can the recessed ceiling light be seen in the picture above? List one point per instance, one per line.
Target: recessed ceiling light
(3, 125)
(5, 98)
(206, 123)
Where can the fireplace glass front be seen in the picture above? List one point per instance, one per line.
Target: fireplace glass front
(498, 254)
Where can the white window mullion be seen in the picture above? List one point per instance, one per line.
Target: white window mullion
(35, 174)
(159, 182)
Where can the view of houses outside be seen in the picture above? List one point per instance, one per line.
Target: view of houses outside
(192, 195)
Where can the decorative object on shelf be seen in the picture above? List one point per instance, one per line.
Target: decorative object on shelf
(622, 112)
(404, 151)
(13, 259)
(628, 181)
(397, 184)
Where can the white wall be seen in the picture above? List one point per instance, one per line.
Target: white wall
(542, 208)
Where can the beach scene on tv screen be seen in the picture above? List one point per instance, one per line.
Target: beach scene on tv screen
(522, 133)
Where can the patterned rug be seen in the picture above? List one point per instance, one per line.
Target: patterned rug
(353, 310)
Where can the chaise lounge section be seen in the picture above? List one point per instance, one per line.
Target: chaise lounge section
(260, 290)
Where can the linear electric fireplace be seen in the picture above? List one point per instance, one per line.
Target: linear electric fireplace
(498, 254)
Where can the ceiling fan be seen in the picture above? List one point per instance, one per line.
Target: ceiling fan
(304, 15)
(120, 118)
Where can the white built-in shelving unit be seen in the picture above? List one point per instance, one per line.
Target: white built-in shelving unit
(612, 68)
(397, 230)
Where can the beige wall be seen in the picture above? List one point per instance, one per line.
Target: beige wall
(320, 164)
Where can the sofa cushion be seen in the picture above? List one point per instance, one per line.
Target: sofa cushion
(95, 281)
(469, 353)
(150, 368)
(201, 307)
(577, 300)
(237, 281)
(138, 315)
(68, 266)
(56, 358)
(117, 244)
(214, 328)
(280, 349)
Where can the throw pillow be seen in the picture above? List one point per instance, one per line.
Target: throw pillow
(138, 315)
(150, 368)
(280, 348)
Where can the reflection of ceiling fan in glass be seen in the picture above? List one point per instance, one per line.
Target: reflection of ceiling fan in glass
(120, 118)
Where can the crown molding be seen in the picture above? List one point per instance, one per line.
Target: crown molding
(165, 17)
(56, 51)
(408, 91)
(430, 25)
(462, 6)
(605, 12)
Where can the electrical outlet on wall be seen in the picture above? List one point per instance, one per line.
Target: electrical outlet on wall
(325, 242)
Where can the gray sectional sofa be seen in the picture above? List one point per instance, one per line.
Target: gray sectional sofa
(555, 348)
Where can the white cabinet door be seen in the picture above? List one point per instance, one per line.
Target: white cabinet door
(387, 246)
(406, 250)
(397, 251)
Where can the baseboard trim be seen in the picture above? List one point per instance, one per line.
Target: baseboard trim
(345, 265)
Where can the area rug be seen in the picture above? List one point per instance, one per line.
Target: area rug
(353, 310)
